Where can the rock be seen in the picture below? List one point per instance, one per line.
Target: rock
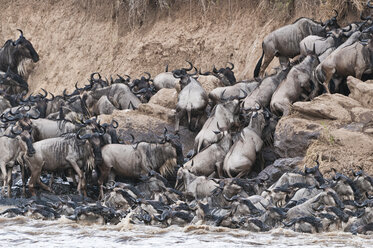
(279, 167)
(165, 97)
(361, 91)
(294, 135)
(158, 111)
(343, 149)
(326, 106)
(209, 83)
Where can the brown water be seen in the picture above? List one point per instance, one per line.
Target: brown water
(26, 232)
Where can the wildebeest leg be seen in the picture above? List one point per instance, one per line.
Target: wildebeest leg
(284, 62)
(266, 62)
(328, 76)
(219, 169)
(23, 179)
(3, 170)
(81, 184)
(51, 180)
(35, 174)
(45, 187)
(71, 174)
(9, 181)
(104, 172)
(178, 116)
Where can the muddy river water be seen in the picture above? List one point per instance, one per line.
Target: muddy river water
(28, 232)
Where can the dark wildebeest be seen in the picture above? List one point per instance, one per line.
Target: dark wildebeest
(284, 42)
(13, 53)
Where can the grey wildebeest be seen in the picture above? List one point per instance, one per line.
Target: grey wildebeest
(223, 117)
(203, 164)
(13, 148)
(192, 100)
(167, 80)
(242, 154)
(68, 151)
(235, 91)
(224, 75)
(261, 95)
(119, 95)
(350, 59)
(134, 161)
(45, 128)
(284, 42)
(13, 53)
(296, 85)
(12, 83)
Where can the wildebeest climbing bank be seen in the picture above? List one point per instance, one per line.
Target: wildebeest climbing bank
(255, 144)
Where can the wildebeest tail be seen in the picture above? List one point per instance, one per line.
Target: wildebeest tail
(258, 65)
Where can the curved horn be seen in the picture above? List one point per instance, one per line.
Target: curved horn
(93, 75)
(85, 136)
(336, 13)
(174, 73)
(21, 32)
(15, 133)
(222, 95)
(45, 93)
(349, 28)
(190, 68)
(195, 73)
(244, 95)
(149, 76)
(214, 70)
(232, 65)
(369, 4)
(114, 122)
(204, 74)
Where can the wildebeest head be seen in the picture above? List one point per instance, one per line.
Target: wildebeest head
(174, 140)
(24, 136)
(96, 141)
(332, 22)
(258, 121)
(226, 75)
(24, 48)
(110, 130)
(185, 78)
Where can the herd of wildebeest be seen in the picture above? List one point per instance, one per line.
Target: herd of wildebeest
(47, 140)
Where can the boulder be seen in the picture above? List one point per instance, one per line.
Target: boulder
(361, 91)
(293, 136)
(209, 82)
(165, 97)
(327, 106)
(278, 168)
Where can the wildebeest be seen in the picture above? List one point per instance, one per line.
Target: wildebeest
(192, 100)
(261, 96)
(222, 118)
(14, 52)
(241, 156)
(225, 75)
(45, 129)
(119, 95)
(203, 164)
(167, 80)
(296, 85)
(134, 161)
(13, 148)
(232, 92)
(350, 58)
(68, 151)
(284, 42)
(12, 83)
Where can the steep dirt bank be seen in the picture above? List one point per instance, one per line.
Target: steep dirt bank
(76, 38)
